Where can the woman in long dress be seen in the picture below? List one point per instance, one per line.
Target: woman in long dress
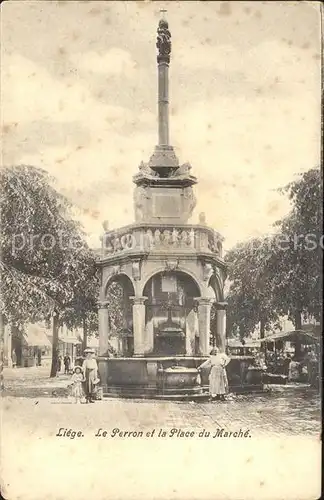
(90, 371)
(218, 383)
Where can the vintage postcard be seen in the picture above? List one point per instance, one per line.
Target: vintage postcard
(161, 250)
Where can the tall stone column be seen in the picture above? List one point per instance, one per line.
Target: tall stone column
(139, 325)
(204, 307)
(221, 325)
(163, 92)
(163, 44)
(103, 319)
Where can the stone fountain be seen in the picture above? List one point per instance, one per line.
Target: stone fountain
(171, 271)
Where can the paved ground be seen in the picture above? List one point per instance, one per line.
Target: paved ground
(290, 409)
(279, 459)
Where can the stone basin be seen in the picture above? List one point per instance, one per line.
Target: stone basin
(179, 377)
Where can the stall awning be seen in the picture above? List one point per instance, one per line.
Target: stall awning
(35, 335)
(291, 336)
(247, 343)
(70, 339)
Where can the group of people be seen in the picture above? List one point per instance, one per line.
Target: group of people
(84, 381)
(67, 362)
(296, 368)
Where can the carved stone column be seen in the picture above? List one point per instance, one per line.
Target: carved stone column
(191, 327)
(204, 307)
(139, 325)
(221, 325)
(103, 320)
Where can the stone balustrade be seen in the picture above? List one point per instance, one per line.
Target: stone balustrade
(169, 238)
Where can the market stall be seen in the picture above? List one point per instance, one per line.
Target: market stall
(292, 355)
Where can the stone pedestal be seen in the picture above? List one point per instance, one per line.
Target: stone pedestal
(204, 307)
(221, 325)
(139, 325)
(103, 320)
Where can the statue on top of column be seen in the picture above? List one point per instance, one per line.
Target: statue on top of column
(163, 42)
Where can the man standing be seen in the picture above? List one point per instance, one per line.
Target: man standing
(67, 363)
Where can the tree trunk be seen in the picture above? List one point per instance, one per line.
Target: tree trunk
(85, 334)
(298, 320)
(241, 331)
(262, 334)
(55, 352)
(298, 326)
(262, 328)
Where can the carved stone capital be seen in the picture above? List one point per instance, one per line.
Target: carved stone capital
(203, 301)
(221, 305)
(138, 300)
(103, 304)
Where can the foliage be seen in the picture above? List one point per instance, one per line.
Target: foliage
(249, 298)
(47, 268)
(297, 263)
(281, 274)
(116, 307)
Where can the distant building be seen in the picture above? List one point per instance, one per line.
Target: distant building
(33, 346)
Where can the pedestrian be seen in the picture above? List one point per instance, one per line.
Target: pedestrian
(77, 380)
(67, 363)
(14, 358)
(59, 363)
(39, 357)
(293, 370)
(90, 370)
(286, 365)
(218, 383)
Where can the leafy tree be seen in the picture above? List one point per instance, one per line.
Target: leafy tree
(281, 274)
(250, 294)
(297, 254)
(47, 269)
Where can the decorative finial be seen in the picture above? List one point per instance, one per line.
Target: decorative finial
(163, 42)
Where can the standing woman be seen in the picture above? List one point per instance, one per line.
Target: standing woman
(218, 384)
(90, 370)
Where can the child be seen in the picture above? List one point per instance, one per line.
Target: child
(77, 379)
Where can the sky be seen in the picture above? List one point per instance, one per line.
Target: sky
(79, 99)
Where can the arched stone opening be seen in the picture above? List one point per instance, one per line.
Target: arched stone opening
(171, 315)
(217, 313)
(118, 291)
(215, 288)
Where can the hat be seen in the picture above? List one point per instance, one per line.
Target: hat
(88, 350)
(78, 367)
